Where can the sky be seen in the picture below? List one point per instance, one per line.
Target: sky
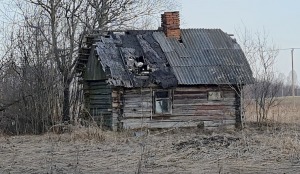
(279, 18)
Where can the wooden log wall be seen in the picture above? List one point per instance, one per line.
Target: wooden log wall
(98, 101)
(190, 108)
(137, 107)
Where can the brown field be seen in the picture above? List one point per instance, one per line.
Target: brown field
(274, 148)
(285, 112)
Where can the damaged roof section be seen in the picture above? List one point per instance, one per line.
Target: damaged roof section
(134, 59)
(138, 58)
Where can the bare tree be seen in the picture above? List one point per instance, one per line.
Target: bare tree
(261, 55)
(40, 88)
(126, 14)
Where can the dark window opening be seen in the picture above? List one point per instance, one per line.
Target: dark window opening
(162, 102)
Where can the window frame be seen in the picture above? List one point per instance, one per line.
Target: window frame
(169, 98)
(213, 98)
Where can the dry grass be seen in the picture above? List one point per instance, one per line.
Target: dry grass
(284, 112)
(273, 148)
(252, 150)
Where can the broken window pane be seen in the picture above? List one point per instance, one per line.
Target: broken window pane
(162, 102)
(162, 106)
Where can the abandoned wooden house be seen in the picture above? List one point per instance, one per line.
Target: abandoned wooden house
(169, 77)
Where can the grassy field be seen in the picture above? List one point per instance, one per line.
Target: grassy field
(287, 111)
(273, 148)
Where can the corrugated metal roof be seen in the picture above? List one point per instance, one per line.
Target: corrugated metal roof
(205, 56)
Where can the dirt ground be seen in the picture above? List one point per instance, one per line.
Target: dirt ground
(274, 149)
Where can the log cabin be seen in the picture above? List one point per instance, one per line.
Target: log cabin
(170, 77)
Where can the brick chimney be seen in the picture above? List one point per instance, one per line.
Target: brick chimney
(170, 24)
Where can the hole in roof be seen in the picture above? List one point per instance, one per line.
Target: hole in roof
(180, 41)
(140, 59)
(127, 32)
(107, 36)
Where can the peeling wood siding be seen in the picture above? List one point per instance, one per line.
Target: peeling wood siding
(98, 102)
(190, 107)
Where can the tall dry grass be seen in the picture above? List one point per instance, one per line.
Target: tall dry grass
(285, 111)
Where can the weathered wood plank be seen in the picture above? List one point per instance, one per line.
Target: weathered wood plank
(137, 92)
(229, 94)
(194, 118)
(137, 114)
(144, 104)
(184, 116)
(176, 92)
(172, 124)
(136, 109)
(200, 89)
(212, 113)
(193, 96)
(100, 101)
(96, 106)
(104, 88)
(199, 102)
(135, 100)
(209, 107)
(141, 97)
(98, 111)
(100, 97)
(203, 107)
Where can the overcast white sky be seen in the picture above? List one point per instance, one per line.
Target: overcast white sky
(280, 18)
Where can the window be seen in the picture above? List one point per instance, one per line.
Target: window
(162, 102)
(216, 95)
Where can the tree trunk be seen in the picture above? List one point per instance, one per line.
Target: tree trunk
(66, 103)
